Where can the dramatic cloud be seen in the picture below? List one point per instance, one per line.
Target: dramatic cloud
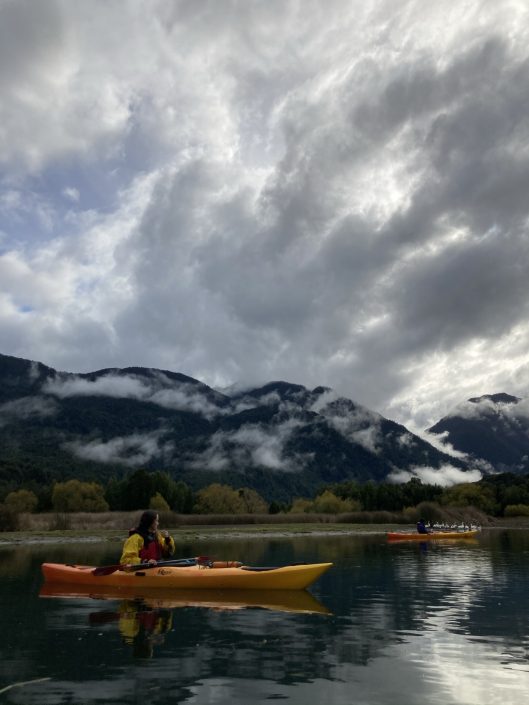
(437, 440)
(356, 423)
(158, 390)
(328, 193)
(133, 450)
(27, 407)
(254, 445)
(445, 476)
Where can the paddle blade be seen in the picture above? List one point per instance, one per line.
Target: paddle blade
(204, 561)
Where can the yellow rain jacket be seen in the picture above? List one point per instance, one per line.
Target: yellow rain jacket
(134, 544)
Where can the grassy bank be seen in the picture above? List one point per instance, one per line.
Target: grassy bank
(114, 526)
(122, 521)
(193, 533)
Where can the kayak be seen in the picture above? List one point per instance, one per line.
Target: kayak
(289, 577)
(158, 598)
(434, 536)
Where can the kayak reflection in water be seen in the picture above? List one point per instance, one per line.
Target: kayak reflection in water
(140, 625)
(146, 544)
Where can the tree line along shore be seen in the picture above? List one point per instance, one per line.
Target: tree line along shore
(56, 507)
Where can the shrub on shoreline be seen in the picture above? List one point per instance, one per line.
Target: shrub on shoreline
(9, 519)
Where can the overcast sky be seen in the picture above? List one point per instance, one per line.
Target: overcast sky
(327, 192)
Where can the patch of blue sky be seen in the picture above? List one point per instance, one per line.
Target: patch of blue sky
(71, 191)
(52, 203)
(81, 185)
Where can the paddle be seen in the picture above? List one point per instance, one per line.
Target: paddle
(260, 569)
(177, 562)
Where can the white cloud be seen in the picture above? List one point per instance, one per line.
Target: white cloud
(251, 443)
(27, 407)
(71, 194)
(356, 423)
(136, 449)
(473, 410)
(111, 385)
(445, 476)
(158, 390)
(439, 441)
(328, 195)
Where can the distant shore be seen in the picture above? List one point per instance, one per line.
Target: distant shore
(214, 532)
(203, 532)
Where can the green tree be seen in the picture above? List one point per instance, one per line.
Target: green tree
(470, 494)
(138, 489)
(183, 498)
(158, 503)
(329, 503)
(9, 520)
(252, 501)
(162, 483)
(347, 490)
(301, 506)
(516, 510)
(277, 507)
(516, 494)
(21, 501)
(219, 499)
(76, 496)
(114, 494)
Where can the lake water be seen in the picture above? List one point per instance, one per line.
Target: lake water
(395, 624)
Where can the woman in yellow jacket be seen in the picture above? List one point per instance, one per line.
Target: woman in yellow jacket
(146, 544)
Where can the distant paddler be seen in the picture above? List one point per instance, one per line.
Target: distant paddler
(421, 527)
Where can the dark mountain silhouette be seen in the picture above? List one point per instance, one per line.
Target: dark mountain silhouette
(280, 438)
(493, 428)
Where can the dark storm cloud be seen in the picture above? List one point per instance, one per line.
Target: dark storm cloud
(330, 194)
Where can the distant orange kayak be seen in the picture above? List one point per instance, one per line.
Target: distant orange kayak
(434, 536)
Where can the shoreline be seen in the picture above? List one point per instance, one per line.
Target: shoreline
(194, 533)
(213, 532)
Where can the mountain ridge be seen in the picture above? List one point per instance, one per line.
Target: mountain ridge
(492, 428)
(279, 438)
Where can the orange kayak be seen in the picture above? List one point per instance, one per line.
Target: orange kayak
(434, 536)
(289, 577)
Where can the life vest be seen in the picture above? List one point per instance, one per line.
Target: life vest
(150, 550)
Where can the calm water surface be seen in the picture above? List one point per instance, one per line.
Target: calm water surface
(401, 624)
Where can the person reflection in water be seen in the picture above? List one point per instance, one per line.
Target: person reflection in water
(143, 626)
(146, 544)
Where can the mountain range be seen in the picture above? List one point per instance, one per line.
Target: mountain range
(282, 439)
(492, 430)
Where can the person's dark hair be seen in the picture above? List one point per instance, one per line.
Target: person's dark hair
(145, 523)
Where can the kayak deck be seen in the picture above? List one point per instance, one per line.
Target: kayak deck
(434, 536)
(290, 577)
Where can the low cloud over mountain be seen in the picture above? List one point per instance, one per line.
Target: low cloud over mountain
(492, 430)
(280, 438)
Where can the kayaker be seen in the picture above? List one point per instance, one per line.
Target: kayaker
(421, 527)
(146, 544)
